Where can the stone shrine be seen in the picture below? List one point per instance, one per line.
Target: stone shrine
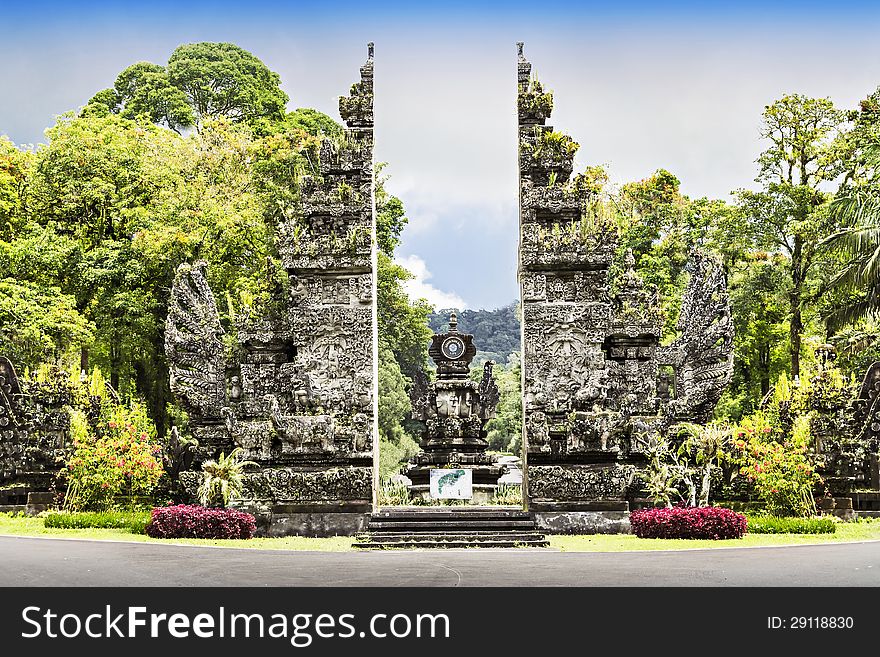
(596, 381)
(454, 411)
(296, 391)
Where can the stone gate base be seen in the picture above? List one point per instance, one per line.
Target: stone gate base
(312, 520)
(582, 518)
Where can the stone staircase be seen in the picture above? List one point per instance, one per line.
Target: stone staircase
(451, 527)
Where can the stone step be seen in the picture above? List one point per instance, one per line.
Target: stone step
(456, 511)
(491, 525)
(439, 527)
(391, 537)
(452, 543)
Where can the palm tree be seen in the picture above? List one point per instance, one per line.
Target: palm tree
(222, 479)
(858, 211)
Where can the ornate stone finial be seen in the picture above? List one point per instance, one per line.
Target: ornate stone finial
(630, 260)
(370, 50)
(523, 68)
(453, 322)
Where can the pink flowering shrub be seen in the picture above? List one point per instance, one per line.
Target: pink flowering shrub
(191, 521)
(777, 464)
(117, 457)
(705, 522)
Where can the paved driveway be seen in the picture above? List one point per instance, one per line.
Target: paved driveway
(71, 562)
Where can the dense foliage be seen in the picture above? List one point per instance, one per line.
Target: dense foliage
(777, 465)
(709, 522)
(185, 521)
(120, 458)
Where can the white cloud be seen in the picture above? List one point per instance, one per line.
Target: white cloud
(418, 287)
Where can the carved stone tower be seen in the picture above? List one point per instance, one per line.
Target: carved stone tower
(594, 385)
(297, 393)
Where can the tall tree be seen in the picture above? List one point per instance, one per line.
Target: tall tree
(789, 214)
(145, 89)
(203, 81)
(224, 79)
(857, 209)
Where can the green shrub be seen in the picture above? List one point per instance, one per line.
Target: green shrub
(393, 493)
(133, 521)
(778, 525)
(118, 457)
(508, 495)
(776, 462)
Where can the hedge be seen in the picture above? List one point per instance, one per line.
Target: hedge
(688, 522)
(133, 521)
(775, 525)
(190, 521)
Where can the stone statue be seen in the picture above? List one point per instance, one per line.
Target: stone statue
(702, 357)
(193, 343)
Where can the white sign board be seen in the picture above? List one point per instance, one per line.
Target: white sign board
(452, 484)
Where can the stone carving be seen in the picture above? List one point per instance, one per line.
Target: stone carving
(866, 409)
(35, 424)
(596, 380)
(702, 357)
(583, 482)
(296, 391)
(454, 410)
(193, 343)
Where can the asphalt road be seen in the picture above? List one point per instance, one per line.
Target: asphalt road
(71, 562)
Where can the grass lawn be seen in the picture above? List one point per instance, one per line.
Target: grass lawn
(864, 530)
(34, 527)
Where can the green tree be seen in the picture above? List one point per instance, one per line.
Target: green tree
(789, 214)
(759, 309)
(14, 170)
(312, 122)
(396, 445)
(224, 79)
(857, 210)
(145, 89)
(403, 324)
(504, 431)
(39, 324)
(203, 81)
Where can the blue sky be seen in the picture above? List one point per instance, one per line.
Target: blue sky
(640, 85)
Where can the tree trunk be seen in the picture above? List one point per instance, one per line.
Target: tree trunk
(114, 369)
(764, 371)
(84, 359)
(797, 324)
(707, 482)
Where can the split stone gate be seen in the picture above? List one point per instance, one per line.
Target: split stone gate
(298, 392)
